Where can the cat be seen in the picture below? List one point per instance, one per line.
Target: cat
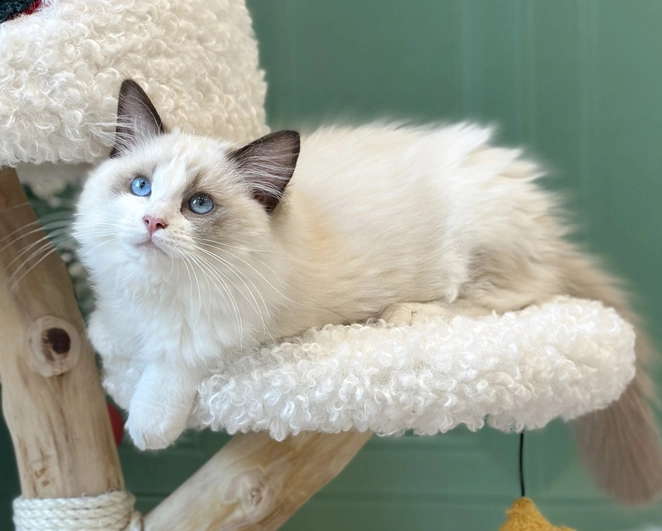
(196, 247)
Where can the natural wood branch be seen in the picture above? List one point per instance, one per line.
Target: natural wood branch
(255, 483)
(51, 394)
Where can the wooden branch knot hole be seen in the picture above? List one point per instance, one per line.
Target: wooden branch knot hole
(55, 342)
(251, 491)
(54, 346)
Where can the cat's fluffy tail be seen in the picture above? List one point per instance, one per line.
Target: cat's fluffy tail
(620, 445)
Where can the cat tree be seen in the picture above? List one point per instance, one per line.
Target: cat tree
(306, 407)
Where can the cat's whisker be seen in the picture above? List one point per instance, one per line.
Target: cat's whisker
(14, 207)
(205, 275)
(109, 229)
(190, 280)
(97, 216)
(94, 246)
(35, 226)
(178, 271)
(172, 269)
(221, 245)
(195, 277)
(105, 221)
(19, 229)
(254, 303)
(38, 228)
(99, 229)
(267, 281)
(59, 210)
(239, 275)
(61, 207)
(102, 237)
(49, 247)
(29, 249)
(56, 224)
(210, 270)
(264, 264)
(218, 275)
(231, 267)
(96, 229)
(77, 214)
(12, 282)
(58, 238)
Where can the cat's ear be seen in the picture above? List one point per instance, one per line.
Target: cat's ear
(268, 165)
(137, 119)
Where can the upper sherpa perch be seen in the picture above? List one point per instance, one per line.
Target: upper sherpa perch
(61, 68)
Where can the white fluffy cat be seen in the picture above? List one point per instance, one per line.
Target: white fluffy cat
(197, 247)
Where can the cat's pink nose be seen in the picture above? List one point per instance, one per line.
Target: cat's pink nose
(153, 224)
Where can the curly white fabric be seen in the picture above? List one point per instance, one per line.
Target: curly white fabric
(112, 511)
(61, 68)
(519, 370)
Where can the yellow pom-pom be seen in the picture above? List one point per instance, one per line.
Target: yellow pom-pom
(524, 516)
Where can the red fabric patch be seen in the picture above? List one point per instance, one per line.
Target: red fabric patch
(116, 423)
(33, 7)
(36, 4)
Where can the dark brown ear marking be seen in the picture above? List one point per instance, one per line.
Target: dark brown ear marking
(137, 119)
(268, 164)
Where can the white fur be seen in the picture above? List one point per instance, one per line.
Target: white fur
(373, 217)
(61, 68)
(520, 370)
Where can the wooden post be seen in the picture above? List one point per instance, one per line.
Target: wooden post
(255, 483)
(51, 395)
(56, 412)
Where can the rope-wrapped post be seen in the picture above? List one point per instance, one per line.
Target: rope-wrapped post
(51, 394)
(107, 512)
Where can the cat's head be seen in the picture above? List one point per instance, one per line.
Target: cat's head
(166, 196)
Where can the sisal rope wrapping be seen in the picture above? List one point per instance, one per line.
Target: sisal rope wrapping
(112, 511)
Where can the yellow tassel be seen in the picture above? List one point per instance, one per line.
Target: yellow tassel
(524, 516)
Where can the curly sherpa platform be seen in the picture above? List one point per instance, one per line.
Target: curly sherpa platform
(519, 370)
(197, 60)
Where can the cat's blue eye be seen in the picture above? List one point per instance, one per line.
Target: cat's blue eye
(141, 186)
(200, 203)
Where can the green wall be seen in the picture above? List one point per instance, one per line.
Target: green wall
(579, 84)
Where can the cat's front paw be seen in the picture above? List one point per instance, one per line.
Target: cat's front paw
(407, 313)
(154, 428)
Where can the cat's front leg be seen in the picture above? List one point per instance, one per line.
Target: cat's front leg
(121, 367)
(161, 404)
